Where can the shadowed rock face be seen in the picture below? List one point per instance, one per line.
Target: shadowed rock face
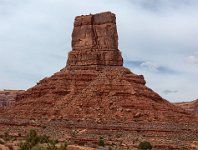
(95, 41)
(94, 84)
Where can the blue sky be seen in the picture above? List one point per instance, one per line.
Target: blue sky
(157, 38)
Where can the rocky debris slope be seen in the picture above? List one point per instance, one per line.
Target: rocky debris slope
(126, 135)
(191, 106)
(7, 97)
(94, 84)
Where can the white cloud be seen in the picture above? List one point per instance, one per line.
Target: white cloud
(193, 58)
(150, 66)
(169, 91)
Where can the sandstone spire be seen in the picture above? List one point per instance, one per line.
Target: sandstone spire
(95, 41)
(94, 84)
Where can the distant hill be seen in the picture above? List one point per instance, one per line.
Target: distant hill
(191, 106)
(7, 97)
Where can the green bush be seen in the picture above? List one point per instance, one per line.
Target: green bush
(39, 147)
(145, 146)
(101, 142)
(51, 146)
(25, 146)
(33, 141)
(6, 136)
(53, 142)
(43, 139)
(32, 137)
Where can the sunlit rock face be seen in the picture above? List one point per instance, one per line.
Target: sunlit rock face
(95, 41)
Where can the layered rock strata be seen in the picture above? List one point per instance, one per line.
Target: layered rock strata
(94, 84)
(94, 96)
(191, 106)
(7, 97)
(95, 42)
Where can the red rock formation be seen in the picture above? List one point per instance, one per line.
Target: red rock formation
(96, 94)
(95, 42)
(191, 106)
(94, 84)
(7, 97)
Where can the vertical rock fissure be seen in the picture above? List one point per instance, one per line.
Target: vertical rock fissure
(95, 37)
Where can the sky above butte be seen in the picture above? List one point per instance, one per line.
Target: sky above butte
(157, 38)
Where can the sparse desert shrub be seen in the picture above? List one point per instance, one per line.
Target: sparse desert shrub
(101, 142)
(63, 146)
(43, 139)
(6, 136)
(81, 143)
(145, 146)
(32, 138)
(25, 146)
(33, 141)
(39, 147)
(51, 146)
(53, 142)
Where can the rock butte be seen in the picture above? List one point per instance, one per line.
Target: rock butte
(97, 96)
(94, 84)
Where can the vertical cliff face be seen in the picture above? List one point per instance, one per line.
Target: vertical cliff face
(95, 41)
(94, 84)
(95, 32)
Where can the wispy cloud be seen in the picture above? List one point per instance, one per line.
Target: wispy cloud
(163, 5)
(170, 91)
(151, 67)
